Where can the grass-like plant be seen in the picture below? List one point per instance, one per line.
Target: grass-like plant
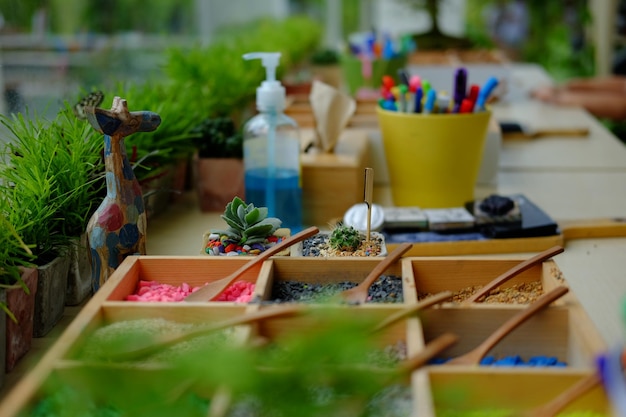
(173, 138)
(14, 254)
(334, 367)
(48, 176)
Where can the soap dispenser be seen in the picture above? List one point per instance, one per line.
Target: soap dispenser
(271, 150)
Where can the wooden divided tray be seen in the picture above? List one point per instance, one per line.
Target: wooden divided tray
(211, 381)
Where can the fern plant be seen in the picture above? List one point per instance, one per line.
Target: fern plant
(247, 224)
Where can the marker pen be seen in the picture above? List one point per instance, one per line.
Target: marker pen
(403, 76)
(467, 106)
(485, 92)
(426, 87)
(388, 82)
(473, 92)
(443, 102)
(460, 87)
(431, 97)
(402, 90)
(417, 100)
(390, 105)
(414, 82)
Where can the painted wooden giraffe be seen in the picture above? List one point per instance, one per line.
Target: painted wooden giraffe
(118, 227)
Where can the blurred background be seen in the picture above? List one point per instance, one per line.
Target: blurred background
(53, 49)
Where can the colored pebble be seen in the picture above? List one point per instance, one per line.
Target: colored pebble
(153, 291)
(217, 245)
(238, 292)
(513, 360)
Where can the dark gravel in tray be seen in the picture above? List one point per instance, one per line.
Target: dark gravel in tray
(387, 289)
(311, 246)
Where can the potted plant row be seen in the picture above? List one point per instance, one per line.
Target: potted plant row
(226, 94)
(50, 179)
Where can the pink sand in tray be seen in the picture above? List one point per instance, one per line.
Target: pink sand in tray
(153, 291)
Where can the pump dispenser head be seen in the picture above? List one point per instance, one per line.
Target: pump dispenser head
(270, 95)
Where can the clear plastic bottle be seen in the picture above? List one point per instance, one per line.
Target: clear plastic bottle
(271, 151)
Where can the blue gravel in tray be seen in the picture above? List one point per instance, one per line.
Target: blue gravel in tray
(386, 289)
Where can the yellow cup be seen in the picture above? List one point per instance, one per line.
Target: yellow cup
(433, 159)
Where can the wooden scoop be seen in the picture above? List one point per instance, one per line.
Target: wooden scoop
(431, 350)
(561, 401)
(473, 357)
(425, 303)
(358, 294)
(150, 346)
(215, 288)
(516, 270)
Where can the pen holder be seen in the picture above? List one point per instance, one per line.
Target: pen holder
(433, 160)
(352, 69)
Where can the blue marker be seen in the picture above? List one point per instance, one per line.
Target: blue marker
(417, 105)
(431, 97)
(389, 105)
(485, 92)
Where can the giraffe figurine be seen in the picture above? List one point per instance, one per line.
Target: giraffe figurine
(118, 227)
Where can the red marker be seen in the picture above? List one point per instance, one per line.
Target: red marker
(388, 82)
(473, 93)
(467, 106)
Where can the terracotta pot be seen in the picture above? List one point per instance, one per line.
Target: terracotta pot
(218, 181)
(79, 278)
(50, 298)
(20, 335)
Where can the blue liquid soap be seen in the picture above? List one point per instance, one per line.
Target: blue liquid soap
(288, 195)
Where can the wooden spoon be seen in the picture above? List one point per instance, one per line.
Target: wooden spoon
(215, 288)
(432, 349)
(558, 403)
(474, 356)
(358, 294)
(516, 270)
(425, 303)
(150, 346)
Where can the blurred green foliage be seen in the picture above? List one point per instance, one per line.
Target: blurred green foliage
(551, 41)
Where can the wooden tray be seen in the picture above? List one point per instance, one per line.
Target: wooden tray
(563, 329)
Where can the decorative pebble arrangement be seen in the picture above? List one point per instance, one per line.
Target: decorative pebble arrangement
(522, 293)
(152, 291)
(514, 360)
(318, 246)
(386, 289)
(220, 245)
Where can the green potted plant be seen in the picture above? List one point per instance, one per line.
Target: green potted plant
(79, 163)
(161, 157)
(218, 163)
(325, 67)
(39, 208)
(18, 286)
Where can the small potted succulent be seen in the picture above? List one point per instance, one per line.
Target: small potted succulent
(342, 240)
(250, 231)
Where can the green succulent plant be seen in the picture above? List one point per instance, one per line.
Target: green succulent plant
(345, 238)
(247, 224)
